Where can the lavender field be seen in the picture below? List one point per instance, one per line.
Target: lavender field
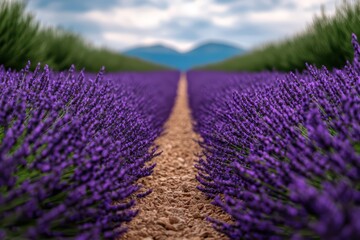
(73, 146)
(281, 152)
(98, 143)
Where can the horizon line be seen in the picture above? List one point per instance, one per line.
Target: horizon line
(179, 50)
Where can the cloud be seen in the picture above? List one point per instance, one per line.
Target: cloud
(81, 6)
(121, 24)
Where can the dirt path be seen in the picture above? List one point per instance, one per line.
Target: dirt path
(175, 209)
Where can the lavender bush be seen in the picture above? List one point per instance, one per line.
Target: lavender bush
(72, 147)
(281, 151)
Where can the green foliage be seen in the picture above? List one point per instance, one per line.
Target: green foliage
(21, 39)
(327, 41)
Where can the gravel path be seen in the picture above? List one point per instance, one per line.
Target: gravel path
(175, 209)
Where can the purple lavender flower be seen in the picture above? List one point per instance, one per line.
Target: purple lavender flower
(281, 151)
(73, 146)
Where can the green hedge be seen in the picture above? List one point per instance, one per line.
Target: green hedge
(22, 39)
(327, 41)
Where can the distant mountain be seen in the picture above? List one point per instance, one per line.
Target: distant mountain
(203, 54)
(161, 49)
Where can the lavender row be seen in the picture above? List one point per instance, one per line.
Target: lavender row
(72, 148)
(281, 152)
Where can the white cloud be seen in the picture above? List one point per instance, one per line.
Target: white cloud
(114, 38)
(141, 20)
(306, 4)
(131, 17)
(128, 24)
(225, 21)
(144, 17)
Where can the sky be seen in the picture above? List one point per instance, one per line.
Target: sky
(181, 24)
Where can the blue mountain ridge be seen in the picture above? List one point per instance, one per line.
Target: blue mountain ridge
(201, 55)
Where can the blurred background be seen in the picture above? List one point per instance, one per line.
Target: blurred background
(180, 34)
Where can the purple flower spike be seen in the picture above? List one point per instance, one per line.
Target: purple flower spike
(72, 149)
(281, 152)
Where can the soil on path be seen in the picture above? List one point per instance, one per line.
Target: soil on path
(175, 209)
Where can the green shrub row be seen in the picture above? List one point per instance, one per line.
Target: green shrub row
(22, 39)
(327, 41)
